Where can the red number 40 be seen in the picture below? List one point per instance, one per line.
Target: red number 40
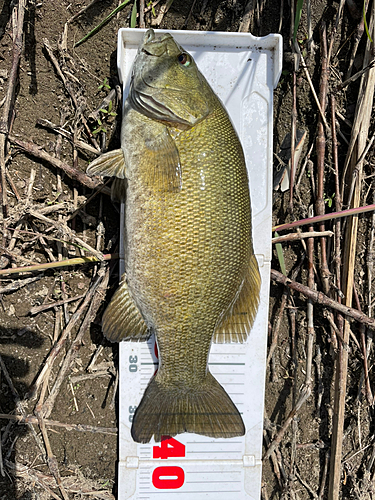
(169, 477)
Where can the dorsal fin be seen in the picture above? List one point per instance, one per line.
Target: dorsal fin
(237, 322)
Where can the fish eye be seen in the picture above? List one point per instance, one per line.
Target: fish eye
(184, 59)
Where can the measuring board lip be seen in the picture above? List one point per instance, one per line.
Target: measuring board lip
(213, 468)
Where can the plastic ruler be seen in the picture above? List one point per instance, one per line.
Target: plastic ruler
(243, 70)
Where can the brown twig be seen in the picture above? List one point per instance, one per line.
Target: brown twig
(45, 307)
(69, 89)
(320, 298)
(83, 146)
(304, 395)
(68, 232)
(362, 330)
(82, 11)
(315, 95)
(51, 459)
(72, 173)
(278, 317)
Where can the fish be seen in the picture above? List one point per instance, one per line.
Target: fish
(191, 276)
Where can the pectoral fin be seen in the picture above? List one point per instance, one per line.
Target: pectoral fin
(122, 319)
(163, 160)
(110, 164)
(237, 322)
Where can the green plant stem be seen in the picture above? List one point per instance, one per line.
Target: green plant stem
(103, 23)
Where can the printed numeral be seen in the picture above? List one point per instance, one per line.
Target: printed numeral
(169, 447)
(168, 478)
(131, 412)
(133, 366)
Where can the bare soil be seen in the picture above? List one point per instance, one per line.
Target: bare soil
(86, 461)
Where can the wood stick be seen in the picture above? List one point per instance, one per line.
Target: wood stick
(142, 14)
(301, 236)
(315, 95)
(51, 459)
(320, 298)
(82, 11)
(68, 135)
(67, 231)
(304, 395)
(338, 205)
(72, 173)
(45, 307)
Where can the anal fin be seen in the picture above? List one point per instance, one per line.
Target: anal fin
(238, 320)
(122, 319)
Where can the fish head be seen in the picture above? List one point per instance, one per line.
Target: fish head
(167, 85)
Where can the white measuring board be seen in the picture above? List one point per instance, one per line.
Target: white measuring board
(243, 70)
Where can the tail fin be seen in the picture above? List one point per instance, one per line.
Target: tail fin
(172, 409)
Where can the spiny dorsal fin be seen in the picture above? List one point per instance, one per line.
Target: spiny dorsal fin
(237, 322)
(122, 319)
(110, 164)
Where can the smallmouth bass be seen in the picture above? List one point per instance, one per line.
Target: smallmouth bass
(191, 276)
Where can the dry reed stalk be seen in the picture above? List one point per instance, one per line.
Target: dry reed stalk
(5, 123)
(356, 147)
(319, 218)
(320, 153)
(301, 236)
(338, 206)
(31, 419)
(293, 141)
